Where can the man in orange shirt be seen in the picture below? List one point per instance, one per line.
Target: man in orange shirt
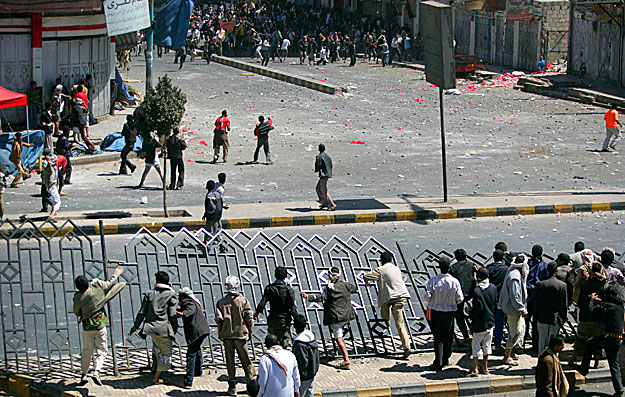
(612, 133)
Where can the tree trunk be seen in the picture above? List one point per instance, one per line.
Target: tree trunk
(165, 213)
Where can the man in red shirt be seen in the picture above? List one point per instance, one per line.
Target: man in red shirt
(222, 127)
(612, 133)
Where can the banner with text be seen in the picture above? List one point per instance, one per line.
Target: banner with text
(125, 16)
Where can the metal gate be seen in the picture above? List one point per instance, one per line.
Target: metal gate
(40, 333)
(15, 72)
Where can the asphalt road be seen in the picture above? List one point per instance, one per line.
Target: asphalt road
(498, 140)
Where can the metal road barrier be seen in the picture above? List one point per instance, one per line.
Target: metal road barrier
(40, 334)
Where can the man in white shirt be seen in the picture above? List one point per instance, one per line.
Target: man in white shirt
(443, 295)
(392, 295)
(278, 375)
(284, 49)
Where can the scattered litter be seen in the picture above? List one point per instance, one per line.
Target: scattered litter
(513, 122)
(517, 73)
(287, 134)
(432, 85)
(144, 200)
(452, 91)
(578, 177)
(309, 148)
(470, 101)
(456, 111)
(496, 117)
(401, 94)
(460, 167)
(200, 152)
(185, 130)
(252, 106)
(204, 143)
(400, 175)
(192, 132)
(358, 185)
(419, 99)
(618, 222)
(323, 80)
(346, 125)
(331, 122)
(424, 105)
(399, 89)
(422, 89)
(212, 97)
(335, 107)
(354, 142)
(248, 74)
(399, 128)
(190, 160)
(518, 172)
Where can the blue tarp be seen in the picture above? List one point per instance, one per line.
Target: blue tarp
(171, 24)
(115, 142)
(122, 88)
(30, 155)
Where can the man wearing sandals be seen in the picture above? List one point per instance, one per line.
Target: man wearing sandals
(337, 308)
(323, 165)
(482, 315)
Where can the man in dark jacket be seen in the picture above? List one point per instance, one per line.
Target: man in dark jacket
(550, 306)
(175, 147)
(195, 330)
(565, 274)
(79, 121)
(610, 309)
(281, 298)
(462, 271)
(306, 352)
(337, 308)
(129, 132)
(262, 133)
(150, 146)
(157, 318)
(213, 210)
(482, 315)
(323, 165)
(496, 274)
(550, 378)
(64, 148)
(537, 272)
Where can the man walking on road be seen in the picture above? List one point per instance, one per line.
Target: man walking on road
(220, 139)
(157, 318)
(323, 165)
(234, 323)
(392, 295)
(129, 132)
(443, 295)
(89, 303)
(281, 298)
(612, 133)
(175, 147)
(262, 133)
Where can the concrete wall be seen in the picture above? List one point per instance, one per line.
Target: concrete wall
(596, 46)
(555, 19)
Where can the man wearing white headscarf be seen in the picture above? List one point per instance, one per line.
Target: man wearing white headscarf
(234, 323)
(513, 302)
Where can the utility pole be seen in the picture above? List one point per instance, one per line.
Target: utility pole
(149, 51)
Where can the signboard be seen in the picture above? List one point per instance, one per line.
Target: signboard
(519, 10)
(438, 44)
(597, 2)
(125, 16)
(494, 5)
(473, 5)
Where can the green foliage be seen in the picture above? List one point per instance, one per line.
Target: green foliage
(162, 108)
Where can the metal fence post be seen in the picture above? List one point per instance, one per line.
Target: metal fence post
(108, 305)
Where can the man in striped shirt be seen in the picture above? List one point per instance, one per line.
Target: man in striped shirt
(443, 295)
(262, 132)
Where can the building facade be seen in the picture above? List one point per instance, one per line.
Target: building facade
(61, 39)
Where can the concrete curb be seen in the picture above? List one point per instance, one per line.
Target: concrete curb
(289, 78)
(467, 386)
(334, 219)
(26, 386)
(100, 158)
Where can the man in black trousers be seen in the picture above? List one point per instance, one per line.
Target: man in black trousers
(129, 132)
(175, 146)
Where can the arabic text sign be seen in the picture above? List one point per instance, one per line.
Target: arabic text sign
(125, 16)
(519, 10)
(438, 44)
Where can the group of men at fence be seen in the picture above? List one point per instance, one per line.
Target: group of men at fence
(506, 290)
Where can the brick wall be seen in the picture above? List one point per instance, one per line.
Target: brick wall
(555, 20)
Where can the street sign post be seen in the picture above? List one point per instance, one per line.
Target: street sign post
(440, 68)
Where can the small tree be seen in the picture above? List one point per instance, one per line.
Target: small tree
(161, 112)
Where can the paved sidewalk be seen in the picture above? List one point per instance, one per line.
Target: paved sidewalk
(380, 376)
(301, 213)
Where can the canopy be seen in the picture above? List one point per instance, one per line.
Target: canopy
(10, 99)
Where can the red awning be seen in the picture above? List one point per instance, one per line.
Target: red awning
(10, 99)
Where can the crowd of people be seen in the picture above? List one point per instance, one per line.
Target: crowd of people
(532, 296)
(280, 29)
